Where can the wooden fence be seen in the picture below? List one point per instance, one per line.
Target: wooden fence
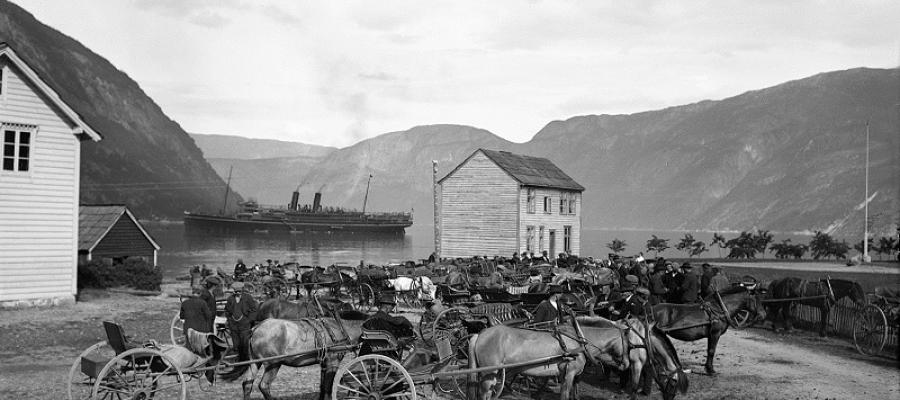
(841, 320)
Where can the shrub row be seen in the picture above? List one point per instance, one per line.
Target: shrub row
(134, 273)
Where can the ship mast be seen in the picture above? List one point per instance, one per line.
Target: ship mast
(866, 220)
(366, 199)
(227, 188)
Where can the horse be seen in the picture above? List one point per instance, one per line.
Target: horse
(423, 286)
(332, 278)
(709, 319)
(307, 338)
(283, 309)
(822, 294)
(588, 338)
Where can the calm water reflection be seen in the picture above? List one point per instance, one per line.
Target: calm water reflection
(180, 250)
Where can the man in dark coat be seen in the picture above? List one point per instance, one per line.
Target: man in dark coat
(382, 320)
(240, 310)
(690, 285)
(210, 300)
(549, 310)
(196, 314)
(705, 275)
(658, 289)
(673, 279)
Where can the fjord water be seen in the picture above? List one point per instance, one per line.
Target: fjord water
(180, 250)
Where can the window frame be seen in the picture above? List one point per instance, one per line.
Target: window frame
(548, 205)
(567, 239)
(17, 158)
(530, 200)
(529, 238)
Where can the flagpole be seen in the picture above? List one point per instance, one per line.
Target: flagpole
(866, 221)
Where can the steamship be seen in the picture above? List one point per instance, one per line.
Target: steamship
(298, 218)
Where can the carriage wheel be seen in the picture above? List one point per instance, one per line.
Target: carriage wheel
(426, 327)
(451, 320)
(81, 383)
(365, 298)
(142, 374)
(176, 330)
(742, 319)
(870, 330)
(373, 376)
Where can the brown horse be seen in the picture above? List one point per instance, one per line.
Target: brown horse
(822, 294)
(593, 338)
(709, 319)
(304, 342)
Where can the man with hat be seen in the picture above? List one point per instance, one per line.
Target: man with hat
(658, 289)
(383, 320)
(690, 285)
(673, 279)
(549, 310)
(240, 311)
(630, 302)
(196, 314)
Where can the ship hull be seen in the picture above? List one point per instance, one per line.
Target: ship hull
(324, 223)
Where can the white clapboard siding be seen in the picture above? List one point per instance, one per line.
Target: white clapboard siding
(552, 220)
(478, 210)
(38, 208)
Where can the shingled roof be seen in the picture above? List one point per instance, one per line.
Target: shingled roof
(94, 222)
(528, 170)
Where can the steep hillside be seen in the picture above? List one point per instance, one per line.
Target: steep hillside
(241, 148)
(790, 157)
(145, 160)
(268, 181)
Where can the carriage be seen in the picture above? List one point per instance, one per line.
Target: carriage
(878, 320)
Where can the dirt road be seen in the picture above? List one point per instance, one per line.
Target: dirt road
(37, 347)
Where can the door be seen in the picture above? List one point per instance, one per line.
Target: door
(552, 239)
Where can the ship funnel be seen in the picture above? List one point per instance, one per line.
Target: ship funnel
(294, 198)
(317, 202)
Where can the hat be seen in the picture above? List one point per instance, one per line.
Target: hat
(642, 291)
(631, 279)
(237, 286)
(387, 299)
(555, 289)
(659, 267)
(686, 265)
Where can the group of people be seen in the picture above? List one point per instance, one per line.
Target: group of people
(271, 268)
(199, 314)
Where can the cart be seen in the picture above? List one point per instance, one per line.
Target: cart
(877, 321)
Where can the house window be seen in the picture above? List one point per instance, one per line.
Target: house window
(548, 204)
(572, 198)
(567, 239)
(529, 238)
(541, 239)
(530, 201)
(17, 148)
(563, 203)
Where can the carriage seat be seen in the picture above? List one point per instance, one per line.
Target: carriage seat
(379, 340)
(116, 338)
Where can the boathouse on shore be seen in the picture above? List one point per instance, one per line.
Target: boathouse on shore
(112, 234)
(39, 187)
(497, 203)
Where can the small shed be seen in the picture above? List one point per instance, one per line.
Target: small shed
(111, 232)
(497, 203)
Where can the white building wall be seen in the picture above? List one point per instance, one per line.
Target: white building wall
(551, 220)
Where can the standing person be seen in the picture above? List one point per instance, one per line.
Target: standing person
(719, 281)
(549, 310)
(690, 285)
(210, 301)
(240, 270)
(705, 275)
(621, 296)
(240, 310)
(673, 279)
(196, 315)
(658, 289)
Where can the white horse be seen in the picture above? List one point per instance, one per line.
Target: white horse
(422, 284)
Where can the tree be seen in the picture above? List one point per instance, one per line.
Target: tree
(744, 246)
(761, 241)
(617, 246)
(786, 249)
(657, 245)
(718, 240)
(698, 248)
(820, 244)
(686, 243)
(886, 245)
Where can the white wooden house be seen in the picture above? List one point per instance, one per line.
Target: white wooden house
(39, 178)
(497, 203)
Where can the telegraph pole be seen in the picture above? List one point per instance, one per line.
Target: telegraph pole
(437, 212)
(866, 220)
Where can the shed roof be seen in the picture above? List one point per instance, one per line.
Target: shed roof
(528, 170)
(95, 221)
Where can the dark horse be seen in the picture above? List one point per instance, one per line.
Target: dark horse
(709, 319)
(822, 294)
(304, 341)
(313, 307)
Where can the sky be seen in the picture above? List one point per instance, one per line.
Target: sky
(337, 72)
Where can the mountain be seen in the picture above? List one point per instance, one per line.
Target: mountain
(241, 148)
(281, 176)
(145, 159)
(786, 158)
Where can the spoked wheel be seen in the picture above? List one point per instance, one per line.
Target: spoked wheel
(451, 320)
(742, 319)
(365, 298)
(140, 374)
(176, 329)
(82, 374)
(374, 377)
(870, 330)
(426, 327)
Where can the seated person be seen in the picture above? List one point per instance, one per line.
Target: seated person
(630, 306)
(240, 270)
(550, 309)
(382, 320)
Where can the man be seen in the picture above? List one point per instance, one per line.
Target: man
(400, 327)
(673, 279)
(549, 310)
(457, 280)
(628, 304)
(196, 315)
(210, 301)
(690, 285)
(495, 280)
(240, 310)
(705, 276)
(719, 281)
(658, 289)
